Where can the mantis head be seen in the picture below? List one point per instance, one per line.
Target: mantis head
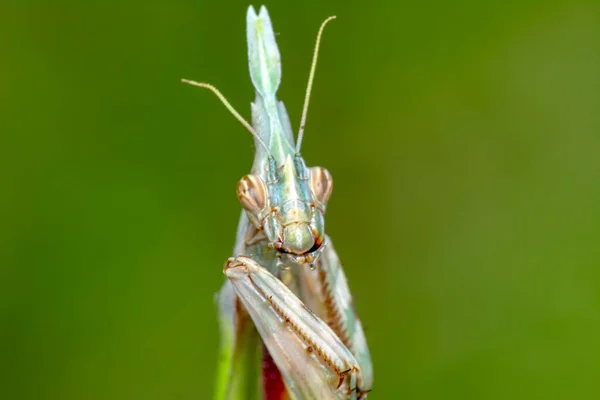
(288, 201)
(288, 205)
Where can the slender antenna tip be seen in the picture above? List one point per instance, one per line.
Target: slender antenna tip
(194, 83)
(232, 110)
(311, 76)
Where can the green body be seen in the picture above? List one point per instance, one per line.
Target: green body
(284, 235)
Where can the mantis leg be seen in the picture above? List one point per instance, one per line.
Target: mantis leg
(237, 374)
(312, 359)
(326, 291)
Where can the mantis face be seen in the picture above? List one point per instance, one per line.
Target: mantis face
(288, 205)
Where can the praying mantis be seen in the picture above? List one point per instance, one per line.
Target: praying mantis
(285, 286)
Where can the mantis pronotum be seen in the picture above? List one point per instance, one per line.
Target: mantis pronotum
(286, 281)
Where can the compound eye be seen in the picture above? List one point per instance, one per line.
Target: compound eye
(321, 184)
(252, 193)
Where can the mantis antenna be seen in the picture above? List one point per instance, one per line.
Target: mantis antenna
(230, 108)
(311, 76)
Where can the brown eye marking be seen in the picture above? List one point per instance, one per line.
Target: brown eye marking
(321, 184)
(252, 193)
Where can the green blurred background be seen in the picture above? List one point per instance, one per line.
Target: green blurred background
(463, 137)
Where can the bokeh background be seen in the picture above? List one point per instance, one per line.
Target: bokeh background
(463, 137)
